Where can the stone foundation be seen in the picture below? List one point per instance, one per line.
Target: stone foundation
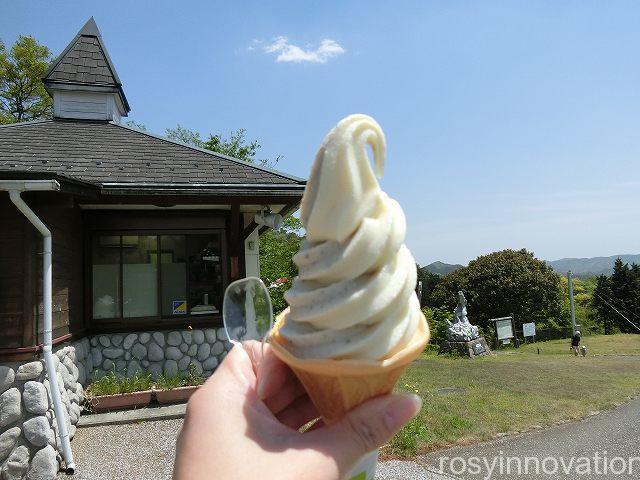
(472, 349)
(29, 441)
(29, 444)
(160, 353)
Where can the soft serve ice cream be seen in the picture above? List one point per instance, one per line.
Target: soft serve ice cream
(354, 296)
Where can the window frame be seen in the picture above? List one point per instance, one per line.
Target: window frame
(159, 321)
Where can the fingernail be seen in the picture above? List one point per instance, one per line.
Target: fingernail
(401, 409)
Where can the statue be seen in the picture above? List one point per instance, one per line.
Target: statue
(461, 330)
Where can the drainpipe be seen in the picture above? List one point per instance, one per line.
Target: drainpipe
(15, 188)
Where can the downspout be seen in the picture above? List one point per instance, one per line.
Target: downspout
(15, 188)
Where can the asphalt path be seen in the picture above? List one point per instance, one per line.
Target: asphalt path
(602, 446)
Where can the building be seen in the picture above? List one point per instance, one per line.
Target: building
(146, 233)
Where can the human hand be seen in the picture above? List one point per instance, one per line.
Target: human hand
(243, 424)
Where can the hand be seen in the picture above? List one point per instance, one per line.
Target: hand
(243, 424)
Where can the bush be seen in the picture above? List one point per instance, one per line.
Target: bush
(437, 319)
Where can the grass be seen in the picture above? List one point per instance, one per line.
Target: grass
(620, 344)
(514, 391)
(112, 383)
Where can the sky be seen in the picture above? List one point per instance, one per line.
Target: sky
(509, 124)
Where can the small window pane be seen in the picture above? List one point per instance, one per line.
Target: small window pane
(173, 270)
(106, 276)
(205, 273)
(139, 276)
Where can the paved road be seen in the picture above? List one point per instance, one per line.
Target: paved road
(615, 433)
(142, 451)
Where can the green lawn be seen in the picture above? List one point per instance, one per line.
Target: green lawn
(515, 391)
(623, 344)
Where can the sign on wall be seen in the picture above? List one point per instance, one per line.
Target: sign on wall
(179, 307)
(529, 329)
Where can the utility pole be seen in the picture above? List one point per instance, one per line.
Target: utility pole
(573, 312)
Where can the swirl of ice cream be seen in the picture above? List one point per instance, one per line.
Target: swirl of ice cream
(354, 295)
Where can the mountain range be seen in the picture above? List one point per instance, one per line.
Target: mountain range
(591, 266)
(579, 266)
(442, 268)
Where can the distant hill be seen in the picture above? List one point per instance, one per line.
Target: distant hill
(590, 266)
(441, 268)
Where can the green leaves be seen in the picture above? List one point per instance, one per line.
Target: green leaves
(236, 145)
(277, 247)
(502, 283)
(22, 93)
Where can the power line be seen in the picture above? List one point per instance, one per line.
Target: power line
(616, 310)
(625, 310)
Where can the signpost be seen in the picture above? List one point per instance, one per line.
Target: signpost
(529, 330)
(505, 331)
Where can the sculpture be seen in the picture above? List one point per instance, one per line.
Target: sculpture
(460, 330)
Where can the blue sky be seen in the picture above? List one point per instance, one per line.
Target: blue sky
(509, 124)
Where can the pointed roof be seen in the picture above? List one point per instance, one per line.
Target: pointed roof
(85, 62)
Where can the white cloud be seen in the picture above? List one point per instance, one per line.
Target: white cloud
(287, 52)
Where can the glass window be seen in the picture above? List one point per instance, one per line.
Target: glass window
(106, 276)
(139, 276)
(157, 275)
(205, 273)
(173, 271)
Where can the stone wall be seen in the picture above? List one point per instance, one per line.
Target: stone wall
(160, 353)
(29, 441)
(29, 444)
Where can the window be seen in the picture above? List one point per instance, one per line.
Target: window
(157, 275)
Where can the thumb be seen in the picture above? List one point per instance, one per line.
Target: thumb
(365, 428)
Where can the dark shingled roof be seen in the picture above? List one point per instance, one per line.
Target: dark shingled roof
(85, 61)
(102, 153)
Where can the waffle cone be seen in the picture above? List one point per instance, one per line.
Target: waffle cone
(337, 386)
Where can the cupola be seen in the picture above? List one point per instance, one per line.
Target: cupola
(83, 82)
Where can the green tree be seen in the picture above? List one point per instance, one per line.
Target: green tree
(22, 93)
(277, 270)
(437, 318)
(602, 313)
(236, 145)
(505, 282)
(184, 135)
(582, 296)
(429, 283)
(622, 292)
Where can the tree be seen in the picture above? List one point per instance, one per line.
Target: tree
(505, 282)
(429, 282)
(622, 291)
(22, 93)
(277, 270)
(583, 289)
(137, 125)
(235, 145)
(602, 313)
(184, 135)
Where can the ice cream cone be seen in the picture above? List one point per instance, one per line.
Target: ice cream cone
(337, 386)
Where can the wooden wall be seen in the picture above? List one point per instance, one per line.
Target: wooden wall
(16, 325)
(21, 306)
(63, 217)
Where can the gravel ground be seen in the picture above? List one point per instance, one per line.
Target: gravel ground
(403, 470)
(137, 451)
